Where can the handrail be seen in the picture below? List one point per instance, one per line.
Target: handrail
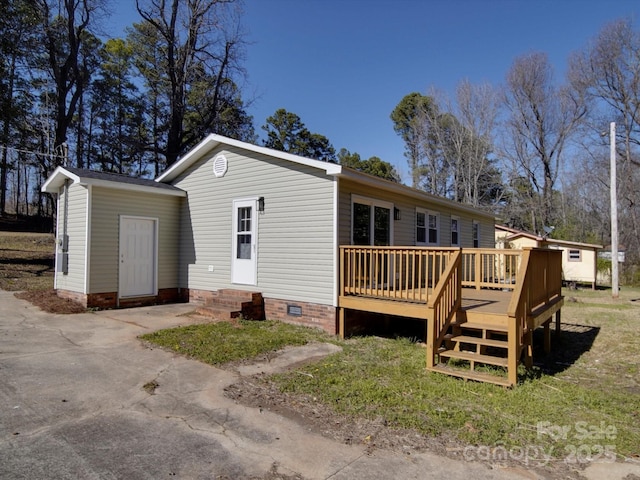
(392, 273)
(490, 268)
(539, 285)
(444, 303)
(519, 294)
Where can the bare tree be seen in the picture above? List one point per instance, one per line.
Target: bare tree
(541, 119)
(435, 131)
(608, 70)
(199, 39)
(478, 107)
(65, 30)
(450, 143)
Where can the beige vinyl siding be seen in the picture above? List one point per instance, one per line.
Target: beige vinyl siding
(295, 232)
(76, 231)
(107, 206)
(583, 270)
(405, 228)
(465, 227)
(523, 242)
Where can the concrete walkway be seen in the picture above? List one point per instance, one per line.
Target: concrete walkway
(72, 406)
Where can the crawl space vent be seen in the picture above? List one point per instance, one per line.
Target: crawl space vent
(220, 166)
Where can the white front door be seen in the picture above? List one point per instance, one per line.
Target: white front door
(245, 242)
(138, 258)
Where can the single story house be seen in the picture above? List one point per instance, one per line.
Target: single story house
(579, 260)
(232, 215)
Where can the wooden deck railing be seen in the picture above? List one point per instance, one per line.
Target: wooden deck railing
(445, 302)
(538, 285)
(428, 283)
(490, 268)
(394, 273)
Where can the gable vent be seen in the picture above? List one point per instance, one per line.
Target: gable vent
(220, 166)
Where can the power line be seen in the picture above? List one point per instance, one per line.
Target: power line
(32, 152)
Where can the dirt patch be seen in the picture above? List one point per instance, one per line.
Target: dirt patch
(48, 301)
(258, 392)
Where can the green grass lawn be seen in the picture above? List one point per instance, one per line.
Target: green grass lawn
(582, 402)
(223, 342)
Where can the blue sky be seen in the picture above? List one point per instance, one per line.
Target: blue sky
(343, 65)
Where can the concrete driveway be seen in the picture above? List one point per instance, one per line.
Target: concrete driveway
(72, 406)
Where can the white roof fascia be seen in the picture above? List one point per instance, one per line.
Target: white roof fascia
(60, 174)
(56, 180)
(380, 183)
(130, 186)
(213, 140)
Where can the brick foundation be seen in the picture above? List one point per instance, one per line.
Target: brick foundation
(77, 297)
(110, 299)
(312, 314)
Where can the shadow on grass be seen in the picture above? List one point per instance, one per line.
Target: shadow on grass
(573, 342)
(46, 262)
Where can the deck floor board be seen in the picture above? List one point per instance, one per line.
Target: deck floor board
(486, 301)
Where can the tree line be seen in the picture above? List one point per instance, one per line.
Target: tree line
(531, 150)
(535, 150)
(129, 105)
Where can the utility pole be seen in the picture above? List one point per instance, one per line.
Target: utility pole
(614, 213)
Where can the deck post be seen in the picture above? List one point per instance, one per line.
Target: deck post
(528, 359)
(513, 350)
(478, 272)
(431, 340)
(547, 335)
(558, 322)
(341, 322)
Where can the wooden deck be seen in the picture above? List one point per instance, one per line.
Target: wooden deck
(480, 306)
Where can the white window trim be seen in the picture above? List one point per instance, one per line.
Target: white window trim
(457, 219)
(372, 202)
(427, 213)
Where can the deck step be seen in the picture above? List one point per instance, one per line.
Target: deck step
(473, 357)
(227, 303)
(481, 326)
(487, 342)
(219, 312)
(471, 375)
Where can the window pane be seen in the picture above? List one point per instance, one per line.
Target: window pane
(421, 235)
(382, 226)
(361, 224)
(244, 246)
(420, 219)
(244, 219)
(433, 228)
(454, 231)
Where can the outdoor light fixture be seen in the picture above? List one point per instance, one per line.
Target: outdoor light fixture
(261, 204)
(396, 213)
